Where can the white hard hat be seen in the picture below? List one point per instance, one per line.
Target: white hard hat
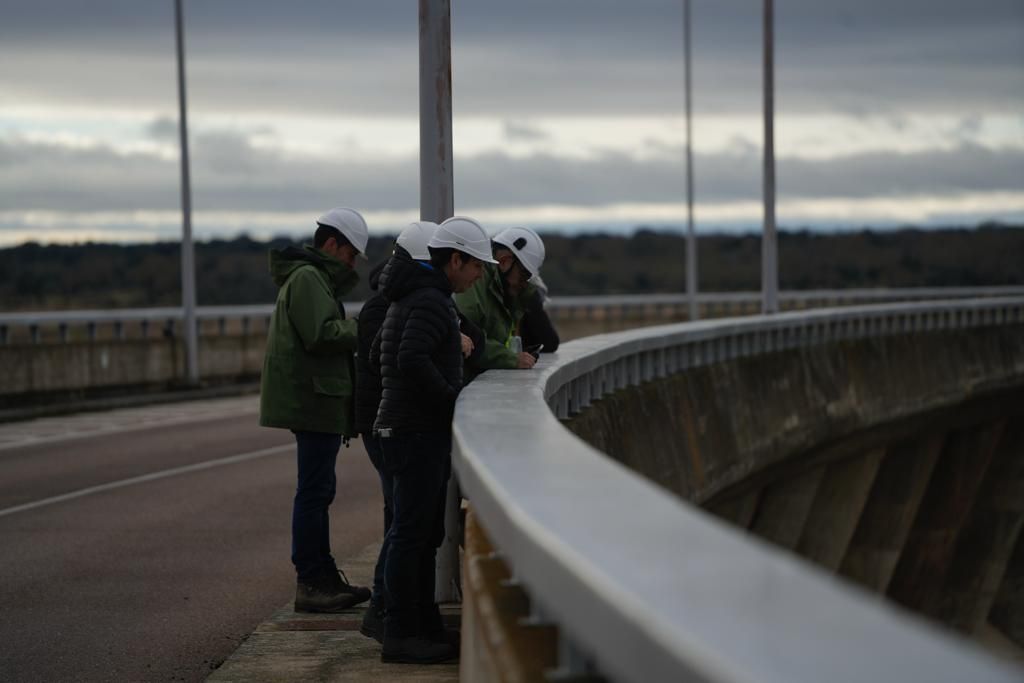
(350, 224)
(415, 238)
(525, 244)
(465, 235)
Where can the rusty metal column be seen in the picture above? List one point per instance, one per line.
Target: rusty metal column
(188, 267)
(769, 241)
(436, 204)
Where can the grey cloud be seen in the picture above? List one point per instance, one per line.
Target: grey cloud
(230, 174)
(524, 132)
(162, 129)
(571, 56)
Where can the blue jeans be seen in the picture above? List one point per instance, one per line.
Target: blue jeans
(373, 449)
(317, 453)
(419, 465)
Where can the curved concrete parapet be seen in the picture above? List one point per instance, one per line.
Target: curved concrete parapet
(647, 587)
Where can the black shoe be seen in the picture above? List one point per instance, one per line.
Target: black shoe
(331, 592)
(416, 650)
(339, 582)
(373, 623)
(450, 636)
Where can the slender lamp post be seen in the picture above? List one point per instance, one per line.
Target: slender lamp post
(436, 204)
(769, 241)
(691, 239)
(188, 267)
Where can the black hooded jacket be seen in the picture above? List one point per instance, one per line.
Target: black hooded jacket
(418, 349)
(536, 327)
(371, 317)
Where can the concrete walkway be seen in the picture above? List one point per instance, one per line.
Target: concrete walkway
(291, 647)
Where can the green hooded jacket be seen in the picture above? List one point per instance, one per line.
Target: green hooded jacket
(308, 367)
(486, 305)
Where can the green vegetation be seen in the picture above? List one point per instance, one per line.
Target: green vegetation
(36, 277)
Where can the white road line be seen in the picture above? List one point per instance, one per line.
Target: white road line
(162, 474)
(121, 429)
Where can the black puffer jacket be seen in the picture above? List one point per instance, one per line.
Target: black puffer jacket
(419, 349)
(371, 317)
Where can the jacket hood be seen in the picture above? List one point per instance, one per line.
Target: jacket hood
(403, 275)
(284, 262)
(374, 277)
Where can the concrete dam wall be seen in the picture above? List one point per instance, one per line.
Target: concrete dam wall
(896, 462)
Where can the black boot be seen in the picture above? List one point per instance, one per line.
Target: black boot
(416, 650)
(329, 592)
(373, 622)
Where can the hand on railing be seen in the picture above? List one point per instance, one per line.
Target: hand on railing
(526, 361)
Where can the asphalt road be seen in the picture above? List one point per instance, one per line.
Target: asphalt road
(144, 544)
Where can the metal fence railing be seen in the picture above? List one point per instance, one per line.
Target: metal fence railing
(169, 318)
(642, 585)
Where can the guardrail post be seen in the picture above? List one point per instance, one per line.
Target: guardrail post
(3, 334)
(33, 333)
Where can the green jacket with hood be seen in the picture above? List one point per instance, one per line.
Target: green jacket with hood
(486, 305)
(308, 368)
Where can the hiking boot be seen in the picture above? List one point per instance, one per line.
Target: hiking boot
(331, 592)
(416, 650)
(373, 623)
(449, 636)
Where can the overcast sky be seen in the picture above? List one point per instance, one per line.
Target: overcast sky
(568, 114)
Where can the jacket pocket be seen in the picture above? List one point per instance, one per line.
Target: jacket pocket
(332, 386)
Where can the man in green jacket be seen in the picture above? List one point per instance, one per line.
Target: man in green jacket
(497, 301)
(306, 387)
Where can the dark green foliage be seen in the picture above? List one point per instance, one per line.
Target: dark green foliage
(36, 277)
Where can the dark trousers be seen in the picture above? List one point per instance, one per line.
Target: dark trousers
(419, 465)
(373, 449)
(314, 493)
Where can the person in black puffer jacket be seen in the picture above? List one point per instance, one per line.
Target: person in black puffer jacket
(411, 244)
(420, 353)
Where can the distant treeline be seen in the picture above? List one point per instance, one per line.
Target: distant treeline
(37, 277)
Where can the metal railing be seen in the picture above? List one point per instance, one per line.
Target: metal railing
(643, 586)
(170, 317)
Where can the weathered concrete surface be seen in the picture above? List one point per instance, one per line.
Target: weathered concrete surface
(837, 508)
(932, 542)
(45, 373)
(712, 427)
(324, 647)
(895, 461)
(902, 479)
(1007, 612)
(784, 507)
(988, 539)
(52, 371)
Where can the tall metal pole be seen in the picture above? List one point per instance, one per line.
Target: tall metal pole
(188, 268)
(769, 242)
(436, 204)
(691, 239)
(436, 189)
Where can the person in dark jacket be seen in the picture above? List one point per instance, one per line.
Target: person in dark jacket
(420, 352)
(306, 387)
(497, 302)
(536, 327)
